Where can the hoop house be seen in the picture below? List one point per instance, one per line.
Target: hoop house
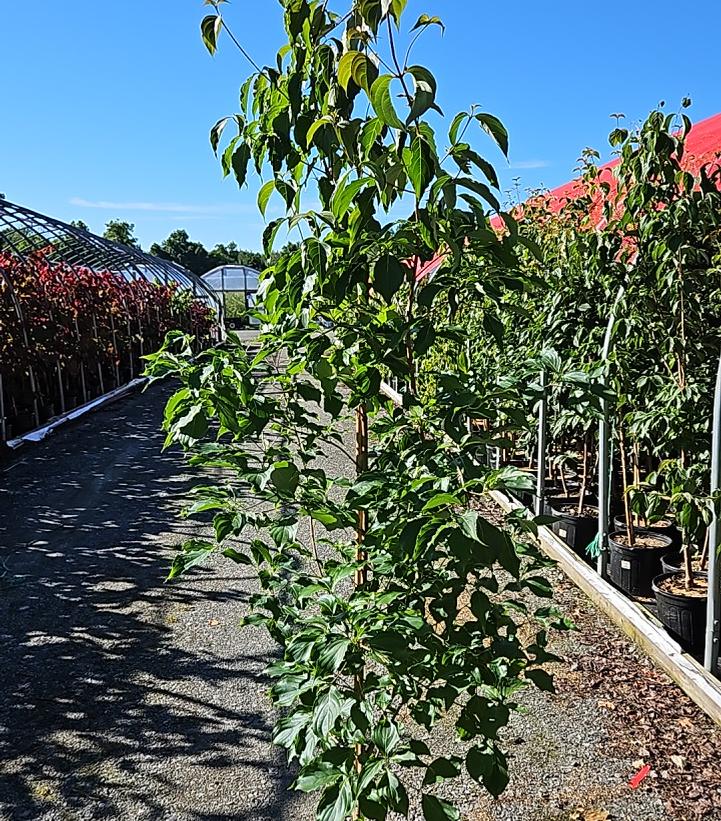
(236, 287)
(77, 312)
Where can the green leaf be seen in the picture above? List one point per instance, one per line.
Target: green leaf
(288, 728)
(357, 66)
(285, 477)
(458, 121)
(345, 193)
(381, 101)
(495, 129)
(488, 766)
(386, 737)
(264, 195)
(437, 809)
(418, 160)
(332, 655)
(424, 20)
(241, 158)
(388, 276)
(425, 92)
(192, 553)
(210, 27)
(216, 133)
(194, 424)
(328, 707)
(441, 500)
(320, 775)
(538, 585)
(336, 803)
(440, 770)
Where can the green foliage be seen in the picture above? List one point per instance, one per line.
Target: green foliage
(383, 632)
(122, 232)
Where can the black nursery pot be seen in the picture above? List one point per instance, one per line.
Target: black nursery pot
(633, 569)
(670, 530)
(682, 616)
(577, 531)
(672, 562)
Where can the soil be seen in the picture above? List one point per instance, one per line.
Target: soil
(643, 540)
(572, 510)
(676, 586)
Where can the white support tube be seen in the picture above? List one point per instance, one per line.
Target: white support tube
(713, 605)
(604, 437)
(542, 444)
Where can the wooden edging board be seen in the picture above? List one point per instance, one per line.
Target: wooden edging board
(639, 625)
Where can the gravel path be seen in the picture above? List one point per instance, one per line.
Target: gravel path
(123, 698)
(127, 699)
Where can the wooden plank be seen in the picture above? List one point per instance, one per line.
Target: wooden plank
(639, 625)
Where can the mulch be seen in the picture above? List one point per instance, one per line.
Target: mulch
(648, 718)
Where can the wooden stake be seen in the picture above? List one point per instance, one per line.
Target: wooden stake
(624, 479)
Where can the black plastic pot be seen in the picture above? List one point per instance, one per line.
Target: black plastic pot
(683, 617)
(670, 531)
(577, 531)
(672, 562)
(633, 569)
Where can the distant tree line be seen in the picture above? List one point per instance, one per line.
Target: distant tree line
(178, 247)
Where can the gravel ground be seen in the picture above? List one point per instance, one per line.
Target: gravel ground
(127, 699)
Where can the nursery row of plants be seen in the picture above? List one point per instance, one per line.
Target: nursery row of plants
(634, 253)
(69, 334)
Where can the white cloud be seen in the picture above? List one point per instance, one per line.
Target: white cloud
(530, 164)
(164, 207)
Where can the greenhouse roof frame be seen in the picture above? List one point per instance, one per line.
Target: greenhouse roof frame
(24, 232)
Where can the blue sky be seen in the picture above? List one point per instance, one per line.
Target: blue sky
(107, 106)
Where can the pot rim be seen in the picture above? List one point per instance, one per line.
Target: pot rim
(667, 539)
(679, 597)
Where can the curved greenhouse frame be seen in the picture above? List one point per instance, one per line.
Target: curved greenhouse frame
(77, 313)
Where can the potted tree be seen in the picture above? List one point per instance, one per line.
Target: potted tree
(681, 594)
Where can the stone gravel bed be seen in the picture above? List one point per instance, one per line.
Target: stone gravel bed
(124, 698)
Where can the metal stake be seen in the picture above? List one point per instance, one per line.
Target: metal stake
(542, 444)
(604, 430)
(713, 604)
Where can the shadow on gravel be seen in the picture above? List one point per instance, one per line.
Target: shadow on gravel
(103, 714)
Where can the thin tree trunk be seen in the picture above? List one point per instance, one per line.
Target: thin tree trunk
(687, 566)
(703, 561)
(562, 477)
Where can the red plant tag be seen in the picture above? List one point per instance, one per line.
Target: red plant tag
(635, 782)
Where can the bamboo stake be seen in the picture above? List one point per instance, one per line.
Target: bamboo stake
(624, 479)
(361, 573)
(584, 477)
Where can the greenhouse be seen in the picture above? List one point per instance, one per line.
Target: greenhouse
(236, 287)
(77, 314)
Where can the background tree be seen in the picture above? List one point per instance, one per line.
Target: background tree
(122, 232)
(80, 224)
(179, 248)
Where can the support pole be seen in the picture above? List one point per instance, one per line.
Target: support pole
(713, 605)
(542, 445)
(604, 447)
(3, 428)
